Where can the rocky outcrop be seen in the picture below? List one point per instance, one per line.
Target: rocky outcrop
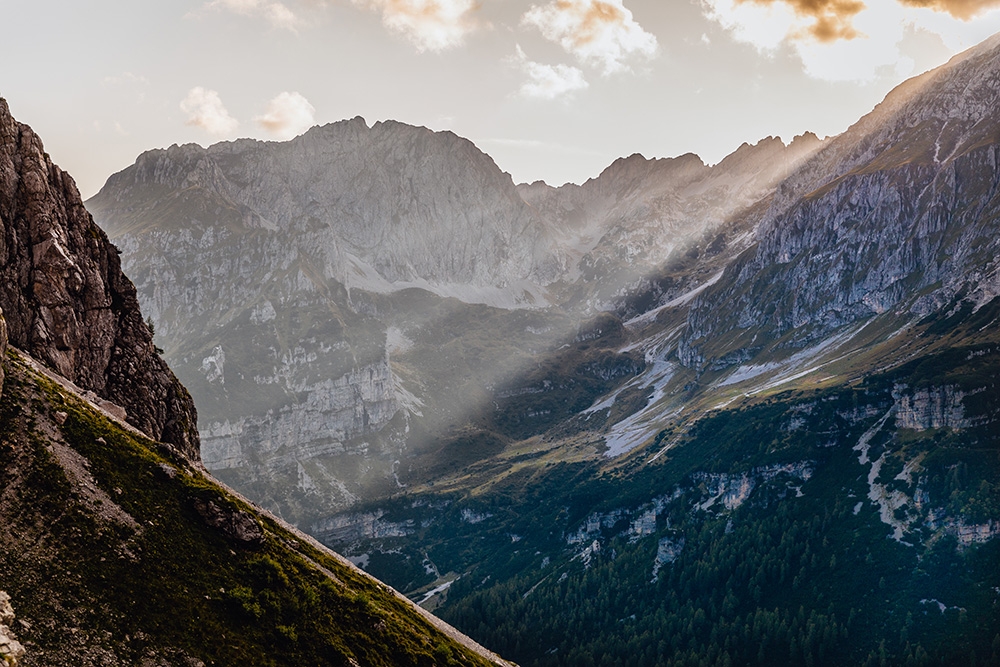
(11, 650)
(628, 221)
(733, 490)
(968, 535)
(936, 407)
(67, 302)
(380, 205)
(233, 523)
(330, 413)
(668, 549)
(360, 525)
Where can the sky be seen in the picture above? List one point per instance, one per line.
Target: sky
(553, 90)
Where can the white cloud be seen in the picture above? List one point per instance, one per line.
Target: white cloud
(547, 82)
(960, 9)
(881, 27)
(288, 115)
(431, 25)
(275, 13)
(601, 33)
(205, 110)
(764, 26)
(957, 35)
(840, 40)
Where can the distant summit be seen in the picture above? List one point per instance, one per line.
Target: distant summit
(387, 205)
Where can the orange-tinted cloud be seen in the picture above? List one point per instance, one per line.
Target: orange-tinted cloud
(960, 9)
(599, 32)
(831, 19)
(431, 25)
(287, 116)
(819, 32)
(593, 18)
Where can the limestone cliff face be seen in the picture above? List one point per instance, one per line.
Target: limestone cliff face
(897, 215)
(66, 300)
(285, 372)
(930, 408)
(333, 412)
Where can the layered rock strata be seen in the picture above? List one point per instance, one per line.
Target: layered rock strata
(878, 222)
(383, 205)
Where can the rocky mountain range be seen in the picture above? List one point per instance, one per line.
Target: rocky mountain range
(118, 547)
(302, 289)
(743, 413)
(686, 403)
(622, 226)
(802, 464)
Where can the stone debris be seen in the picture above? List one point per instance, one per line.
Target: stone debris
(11, 650)
(233, 523)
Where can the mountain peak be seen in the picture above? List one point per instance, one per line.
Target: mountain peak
(876, 222)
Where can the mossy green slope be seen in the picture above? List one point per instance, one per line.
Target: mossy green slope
(109, 561)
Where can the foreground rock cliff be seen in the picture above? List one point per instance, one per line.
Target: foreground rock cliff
(66, 300)
(118, 550)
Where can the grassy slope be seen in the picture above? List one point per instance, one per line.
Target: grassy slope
(96, 588)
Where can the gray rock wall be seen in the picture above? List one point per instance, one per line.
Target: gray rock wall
(897, 215)
(403, 202)
(329, 413)
(936, 407)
